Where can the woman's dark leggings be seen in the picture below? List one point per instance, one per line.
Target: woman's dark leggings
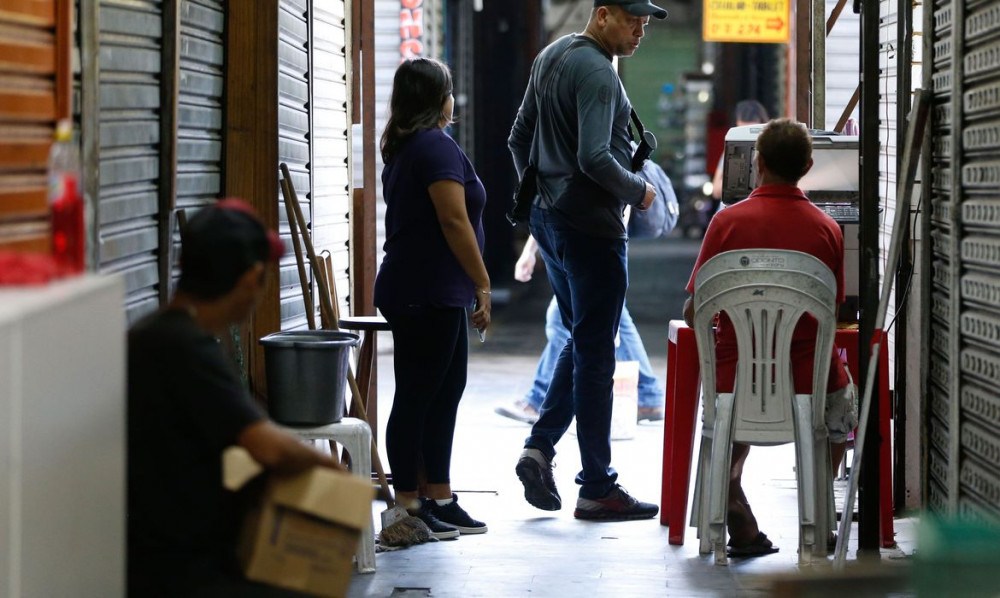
(430, 355)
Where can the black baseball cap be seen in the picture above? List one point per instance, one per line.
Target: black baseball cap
(220, 243)
(639, 9)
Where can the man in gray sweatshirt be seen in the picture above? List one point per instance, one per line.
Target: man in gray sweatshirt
(573, 125)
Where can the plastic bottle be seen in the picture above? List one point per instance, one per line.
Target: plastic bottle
(66, 208)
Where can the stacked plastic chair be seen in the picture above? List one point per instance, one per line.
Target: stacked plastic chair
(764, 293)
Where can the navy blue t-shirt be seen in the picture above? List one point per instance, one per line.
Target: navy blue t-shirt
(419, 267)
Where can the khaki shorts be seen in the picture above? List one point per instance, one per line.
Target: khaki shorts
(842, 412)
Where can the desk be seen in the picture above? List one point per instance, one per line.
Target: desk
(683, 383)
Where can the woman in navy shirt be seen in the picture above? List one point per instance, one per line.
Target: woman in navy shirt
(432, 272)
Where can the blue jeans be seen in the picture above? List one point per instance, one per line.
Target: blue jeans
(589, 278)
(630, 348)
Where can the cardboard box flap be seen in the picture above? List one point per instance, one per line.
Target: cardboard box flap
(331, 495)
(238, 468)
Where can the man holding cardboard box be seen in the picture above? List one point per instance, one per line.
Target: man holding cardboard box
(187, 403)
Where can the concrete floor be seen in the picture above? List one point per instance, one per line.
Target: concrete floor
(528, 552)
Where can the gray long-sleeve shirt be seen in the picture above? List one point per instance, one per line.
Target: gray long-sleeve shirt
(581, 111)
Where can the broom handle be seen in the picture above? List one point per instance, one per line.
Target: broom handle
(286, 188)
(324, 297)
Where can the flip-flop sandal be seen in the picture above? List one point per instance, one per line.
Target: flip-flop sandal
(759, 546)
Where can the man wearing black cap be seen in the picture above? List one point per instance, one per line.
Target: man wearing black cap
(186, 403)
(573, 126)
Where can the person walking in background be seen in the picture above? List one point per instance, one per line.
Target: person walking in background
(630, 348)
(432, 272)
(573, 125)
(747, 112)
(187, 403)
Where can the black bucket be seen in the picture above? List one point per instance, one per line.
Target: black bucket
(307, 375)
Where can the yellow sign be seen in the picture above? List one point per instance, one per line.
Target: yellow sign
(751, 21)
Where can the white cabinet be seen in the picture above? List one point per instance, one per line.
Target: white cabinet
(62, 439)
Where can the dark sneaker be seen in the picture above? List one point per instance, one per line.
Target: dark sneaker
(650, 414)
(618, 505)
(455, 516)
(439, 529)
(521, 410)
(535, 472)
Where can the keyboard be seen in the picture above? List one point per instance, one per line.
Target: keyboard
(843, 213)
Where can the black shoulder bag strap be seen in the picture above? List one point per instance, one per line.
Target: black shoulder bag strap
(647, 143)
(527, 188)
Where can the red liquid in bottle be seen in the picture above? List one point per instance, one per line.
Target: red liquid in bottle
(66, 213)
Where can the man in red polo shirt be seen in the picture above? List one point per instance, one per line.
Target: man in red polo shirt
(778, 215)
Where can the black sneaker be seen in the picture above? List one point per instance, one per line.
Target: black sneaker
(535, 472)
(455, 516)
(617, 505)
(439, 529)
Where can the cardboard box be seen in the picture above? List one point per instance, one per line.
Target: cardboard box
(304, 530)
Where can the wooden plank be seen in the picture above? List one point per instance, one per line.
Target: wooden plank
(20, 56)
(24, 236)
(23, 155)
(27, 105)
(363, 275)
(64, 53)
(251, 154)
(39, 13)
(23, 202)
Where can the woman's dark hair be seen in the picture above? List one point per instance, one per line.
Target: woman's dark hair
(419, 90)
(751, 111)
(786, 148)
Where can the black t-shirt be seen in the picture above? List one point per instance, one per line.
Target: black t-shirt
(186, 403)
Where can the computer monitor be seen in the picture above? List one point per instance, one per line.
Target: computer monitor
(833, 179)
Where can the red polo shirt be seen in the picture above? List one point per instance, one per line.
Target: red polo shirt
(776, 217)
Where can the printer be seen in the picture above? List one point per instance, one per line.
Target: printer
(831, 184)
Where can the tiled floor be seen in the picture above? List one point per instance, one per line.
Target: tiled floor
(528, 552)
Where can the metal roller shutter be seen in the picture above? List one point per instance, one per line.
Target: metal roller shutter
(126, 157)
(843, 47)
(963, 418)
(890, 55)
(331, 140)
(199, 108)
(294, 129)
(942, 254)
(978, 432)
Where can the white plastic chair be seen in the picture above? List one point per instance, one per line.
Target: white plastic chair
(356, 437)
(764, 292)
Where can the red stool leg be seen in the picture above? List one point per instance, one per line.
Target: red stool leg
(885, 448)
(668, 431)
(685, 414)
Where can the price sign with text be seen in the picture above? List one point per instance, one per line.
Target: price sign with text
(751, 21)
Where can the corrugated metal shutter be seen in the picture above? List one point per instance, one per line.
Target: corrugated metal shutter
(888, 159)
(128, 152)
(978, 432)
(313, 138)
(293, 138)
(28, 63)
(843, 51)
(965, 230)
(199, 110)
(331, 146)
(942, 252)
